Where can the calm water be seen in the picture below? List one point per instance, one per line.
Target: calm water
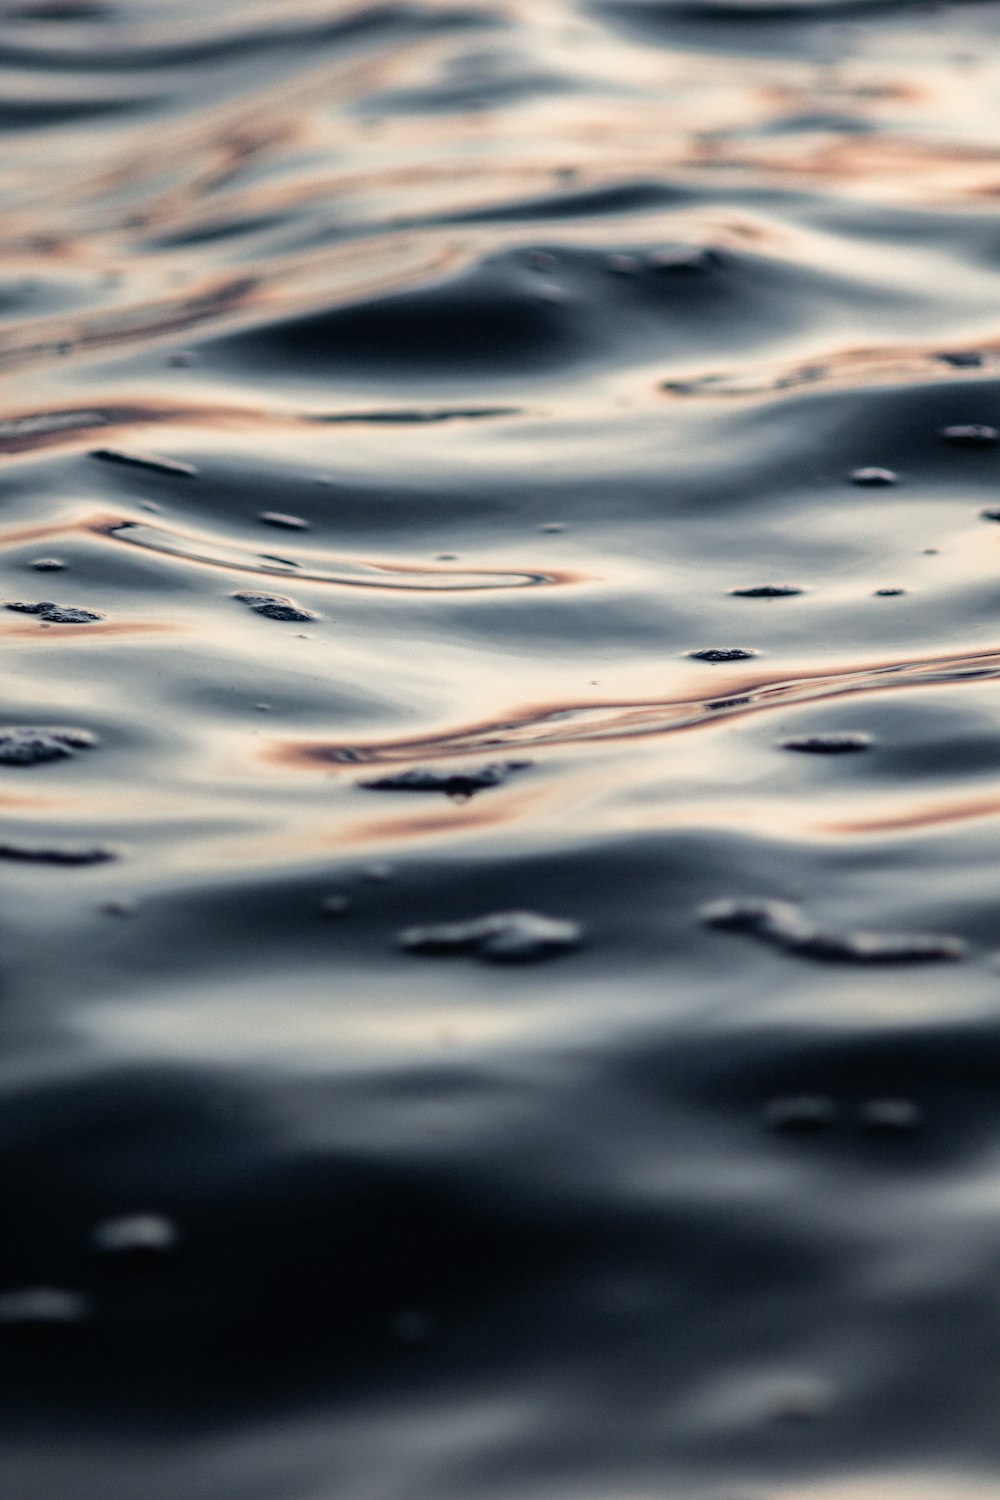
(397, 402)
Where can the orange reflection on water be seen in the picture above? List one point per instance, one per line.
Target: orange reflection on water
(736, 695)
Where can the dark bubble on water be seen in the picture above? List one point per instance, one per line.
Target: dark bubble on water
(285, 522)
(841, 742)
(502, 937)
(767, 591)
(452, 783)
(58, 854)
(63, 614)
(153, 462)
(722, 654)
(55, 614)
(960, 359)
(274, 606)
(21, 745)
(786, 926)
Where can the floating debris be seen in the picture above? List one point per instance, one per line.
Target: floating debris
(43, 1307)
(722, 653)
(844, 742)
(502, 937)
(874, 477)
(975, 435)
(55, 614)
(59, 854)
(24, 746)
(451, 783)
(275, 607)
(786, 926)
(150, 461)
(767, 591)
(136, 1236)
(287, 523)
(48, 565)
(804, 1114)
(888, 593)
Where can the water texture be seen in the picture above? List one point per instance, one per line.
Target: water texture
(500, 750)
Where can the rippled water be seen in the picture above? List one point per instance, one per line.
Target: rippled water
(436, 447)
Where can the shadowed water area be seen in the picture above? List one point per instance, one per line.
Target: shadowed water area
(500, 750)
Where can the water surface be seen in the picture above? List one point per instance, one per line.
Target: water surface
(435, 445)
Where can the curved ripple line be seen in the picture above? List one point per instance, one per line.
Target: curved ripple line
(345, 572)
(568, 724)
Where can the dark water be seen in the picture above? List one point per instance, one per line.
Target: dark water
(399, 402)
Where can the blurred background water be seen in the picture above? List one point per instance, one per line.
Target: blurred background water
(470, 459)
